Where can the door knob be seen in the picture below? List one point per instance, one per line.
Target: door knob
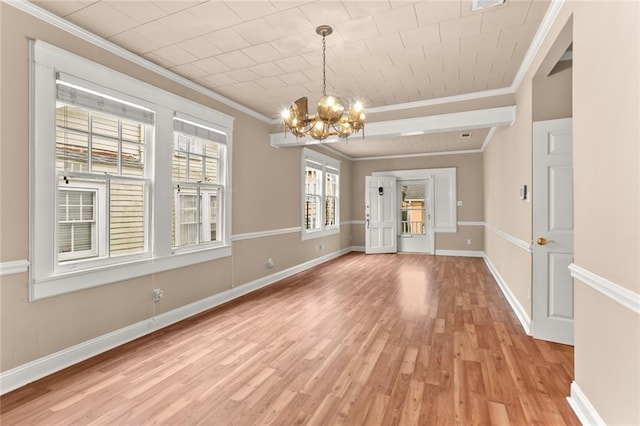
(542, 241)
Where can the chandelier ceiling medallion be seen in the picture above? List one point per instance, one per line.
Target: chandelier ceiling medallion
(330, 119)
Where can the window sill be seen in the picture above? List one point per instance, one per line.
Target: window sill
(309, 235)
(89, 278)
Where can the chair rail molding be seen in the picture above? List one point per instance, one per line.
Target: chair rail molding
(615, 292)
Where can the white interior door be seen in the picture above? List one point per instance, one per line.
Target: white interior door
(415, 230)
(380, 215)
(553, 230)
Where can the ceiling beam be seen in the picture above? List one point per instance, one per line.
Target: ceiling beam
(467, 120)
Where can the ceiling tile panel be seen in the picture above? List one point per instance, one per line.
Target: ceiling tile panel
(216, 15)
(173, 6)
(256, 31)
(219, 80)
(141, 12)
(199, 47)
(102, 19)
(537, 10)
(175, 55)
(324, 13)
(394, 20)
(134, 41)
(227, 40)
(418, 37)
(262, 53)
(467, 26)
(267, 70)
(384, 44)
(358, 29)
(212, 65)
(294, 63)
(249, 10)
(514, 14)
(235, 59)
(434, 12)
(287, 22)
(359, 9)
(190, 71)
(63, 8)
(185, 24)
(297, 44)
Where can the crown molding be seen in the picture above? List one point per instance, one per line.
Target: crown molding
(536, 43)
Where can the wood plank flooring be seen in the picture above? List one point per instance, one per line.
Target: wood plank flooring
(363, 339)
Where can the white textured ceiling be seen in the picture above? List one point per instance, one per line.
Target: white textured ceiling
(265, 54)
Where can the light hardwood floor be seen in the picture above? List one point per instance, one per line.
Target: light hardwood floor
(363, 339)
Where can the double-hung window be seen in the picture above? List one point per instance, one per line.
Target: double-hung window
(102, 184)
(126, 179)
(320, 194)
(198, 184)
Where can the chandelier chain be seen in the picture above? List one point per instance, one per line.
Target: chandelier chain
(324, 65)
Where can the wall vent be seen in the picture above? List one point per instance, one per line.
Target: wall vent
(464, 135)
(485, 4)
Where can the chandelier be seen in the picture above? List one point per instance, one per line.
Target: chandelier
(330, 119)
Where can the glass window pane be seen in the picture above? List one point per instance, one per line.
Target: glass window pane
(64, 238)
(311, 212)
(211, 172)
(104, 156)
(126, 213)
(195, 168)
(72, 118)
(213, 217)
(132, 159)
(72, 151)
(105, 125)
(132, 131)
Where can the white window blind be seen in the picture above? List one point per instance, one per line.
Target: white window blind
(198, 131)
(73, 95)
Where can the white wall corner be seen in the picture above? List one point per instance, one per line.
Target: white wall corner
(585, 412)
(517, 308)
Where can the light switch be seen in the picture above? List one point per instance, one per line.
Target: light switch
(459, 203)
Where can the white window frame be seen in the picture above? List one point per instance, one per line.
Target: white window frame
(206, 192)
(323, 163)
(99, 229)
(47, 278)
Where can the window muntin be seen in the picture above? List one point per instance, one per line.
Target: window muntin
(320, 192)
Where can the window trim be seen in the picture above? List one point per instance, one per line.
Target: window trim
(45, 281)
(323, 163)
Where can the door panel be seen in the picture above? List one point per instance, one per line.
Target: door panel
(553, 231)
(380, 217)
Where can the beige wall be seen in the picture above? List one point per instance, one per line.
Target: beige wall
(605, 107)
(469, 191)
(552, 96)
(265, 196)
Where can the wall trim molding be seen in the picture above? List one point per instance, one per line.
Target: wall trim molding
(460, 253)
(470, 223)
(24, 374)
(517, 308)
(14, 267)
(613, 291)
(269, 233)
(517, 241)
(581, 405)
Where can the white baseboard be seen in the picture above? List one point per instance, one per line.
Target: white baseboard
(583, 408)
(462, 253)
(42, 367)
(517, 308)
(357, 248)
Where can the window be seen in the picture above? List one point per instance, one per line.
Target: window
(320, 198)
(197, 184)
(103, 178)
(100, 145)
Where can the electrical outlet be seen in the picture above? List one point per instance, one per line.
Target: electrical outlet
(270, 263)
(157, 294)
(469, 241)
